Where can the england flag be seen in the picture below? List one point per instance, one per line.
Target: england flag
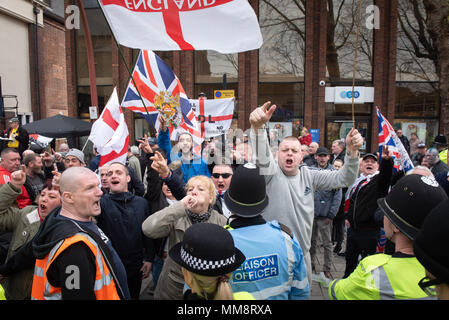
(226, 26)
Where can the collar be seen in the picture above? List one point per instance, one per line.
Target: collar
(239, 222)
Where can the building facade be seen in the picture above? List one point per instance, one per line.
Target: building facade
(308, 52)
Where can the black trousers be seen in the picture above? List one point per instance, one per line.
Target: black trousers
(134, 277)
(359, 242)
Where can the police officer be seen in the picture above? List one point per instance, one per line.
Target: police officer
(385, 277)
(274, 267)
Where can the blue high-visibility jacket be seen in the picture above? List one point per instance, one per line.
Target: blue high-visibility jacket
(274, 268)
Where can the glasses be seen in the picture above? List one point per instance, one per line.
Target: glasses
(428, 285)
(224, 175)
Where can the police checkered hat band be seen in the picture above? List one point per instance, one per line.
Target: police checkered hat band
(207, 249)
(200, 264)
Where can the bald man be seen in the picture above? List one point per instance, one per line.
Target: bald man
(80, 261)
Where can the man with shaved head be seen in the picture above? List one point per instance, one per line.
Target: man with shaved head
(291, 187)
(74, 258)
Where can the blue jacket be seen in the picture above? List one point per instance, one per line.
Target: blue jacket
(327, 202)
(121, 219)
(192, 168)
(274, 268)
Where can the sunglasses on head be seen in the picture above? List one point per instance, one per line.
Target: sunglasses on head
(224, 175)
(428, 285)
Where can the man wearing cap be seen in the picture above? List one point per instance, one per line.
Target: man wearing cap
(361, 204)
(434, 258)
(292, 187)
(387, 277)
(419, 154)
(326, 205)
(440, 144)
(18, 137)
(274, 268)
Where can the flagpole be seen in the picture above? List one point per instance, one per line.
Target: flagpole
(127, 68)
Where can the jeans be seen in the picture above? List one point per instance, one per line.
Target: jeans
(324, 229)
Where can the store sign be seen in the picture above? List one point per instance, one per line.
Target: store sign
(223, 94)
(343, 95)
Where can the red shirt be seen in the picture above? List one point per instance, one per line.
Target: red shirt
(23, 199)
(307, 140)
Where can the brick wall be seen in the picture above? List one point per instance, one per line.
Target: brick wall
(52, 69)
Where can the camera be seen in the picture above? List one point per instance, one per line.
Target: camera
(322, 83)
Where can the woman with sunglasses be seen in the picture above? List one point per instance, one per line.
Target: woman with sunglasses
(432, 252)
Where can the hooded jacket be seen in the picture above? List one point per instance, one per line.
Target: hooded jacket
(121, 218)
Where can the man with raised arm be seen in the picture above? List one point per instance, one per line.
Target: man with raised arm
(291, 187)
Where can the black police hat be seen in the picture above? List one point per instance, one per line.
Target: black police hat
(440, 139)
(430, 245)
(409, 202)
(246, 196)
(207, 249)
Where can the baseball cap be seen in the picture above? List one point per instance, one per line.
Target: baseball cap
(322, 150)
(372, 155)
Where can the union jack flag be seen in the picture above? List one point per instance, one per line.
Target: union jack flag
(161, 89)
(389, 138)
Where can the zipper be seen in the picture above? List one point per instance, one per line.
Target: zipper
(354, 207)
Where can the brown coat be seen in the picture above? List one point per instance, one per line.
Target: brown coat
(172, 222)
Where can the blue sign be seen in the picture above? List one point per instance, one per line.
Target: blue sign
(348, 94)
(315, 133)
(258, 268)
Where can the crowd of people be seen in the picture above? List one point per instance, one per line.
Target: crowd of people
(238, 225)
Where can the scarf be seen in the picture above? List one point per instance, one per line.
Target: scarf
(358, 183)
(198, 218)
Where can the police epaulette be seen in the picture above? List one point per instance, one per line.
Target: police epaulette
(286, 229)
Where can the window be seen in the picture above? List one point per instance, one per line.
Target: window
(341, 42)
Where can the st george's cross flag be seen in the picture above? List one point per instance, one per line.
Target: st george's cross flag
(109, 133)
(389, 138)
(214, 115)
(163, 94)
(226, 26)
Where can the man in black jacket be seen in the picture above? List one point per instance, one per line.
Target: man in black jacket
(361, 204)
(122, 215)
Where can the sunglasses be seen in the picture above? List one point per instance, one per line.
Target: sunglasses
(428, 285)
(224, 175)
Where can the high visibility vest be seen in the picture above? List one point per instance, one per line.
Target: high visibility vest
(381, 277)
(2, 293)
(243, 296)
(443, 156)
(104, 287)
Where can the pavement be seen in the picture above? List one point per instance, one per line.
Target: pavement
(318, 290)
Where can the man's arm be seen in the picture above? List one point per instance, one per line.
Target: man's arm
(335, 205)
(74, 272)
(262, 155)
